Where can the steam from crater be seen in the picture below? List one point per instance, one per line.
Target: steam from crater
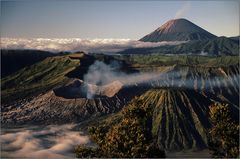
(183, 10)
(102, 74)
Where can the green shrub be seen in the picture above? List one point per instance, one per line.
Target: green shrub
(131, 137)
(224, 135)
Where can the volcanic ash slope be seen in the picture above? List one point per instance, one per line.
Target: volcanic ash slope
(69, 103)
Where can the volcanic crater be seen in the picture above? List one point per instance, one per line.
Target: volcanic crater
(80, 89)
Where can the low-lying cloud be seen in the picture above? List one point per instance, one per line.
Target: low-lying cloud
(76, 44)
(48, 142)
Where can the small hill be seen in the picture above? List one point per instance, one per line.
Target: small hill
(178, 30)
(235, 38)
(37, 78)
(14, 60)
(213, 47)
(68, 104)
(179, 119)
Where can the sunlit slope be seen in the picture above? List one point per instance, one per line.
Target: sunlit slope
(180, 103)
(14, 60)
(37, 78)
(215, 79)
(178, 30)
(155, 60)
(216, 83)
(179, 118)
(220, 46)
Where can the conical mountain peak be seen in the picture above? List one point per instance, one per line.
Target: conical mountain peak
(178, 30)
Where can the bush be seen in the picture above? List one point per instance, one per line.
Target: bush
(87, 152)
(224, 135)
(131, 137)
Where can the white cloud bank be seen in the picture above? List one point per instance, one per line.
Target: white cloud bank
(54, 141)
(76, 44)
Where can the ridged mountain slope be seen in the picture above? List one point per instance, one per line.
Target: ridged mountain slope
(14, 60)
(212, 47)
(178, 30)
(180, 119)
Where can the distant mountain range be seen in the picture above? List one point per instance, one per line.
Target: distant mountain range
(198, 41)
(213, 47)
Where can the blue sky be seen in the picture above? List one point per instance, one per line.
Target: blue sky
(112, 19)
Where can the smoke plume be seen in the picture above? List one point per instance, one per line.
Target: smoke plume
(101, 74)
(183, 10)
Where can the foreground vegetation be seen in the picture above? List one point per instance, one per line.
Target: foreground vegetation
(224, 135)
(132, 131)
(131, 137)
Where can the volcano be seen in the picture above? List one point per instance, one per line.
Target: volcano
(79, 100)
(81, 89)
(178, 30)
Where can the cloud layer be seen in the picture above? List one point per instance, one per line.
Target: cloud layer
(48, 142)
(76, 44)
